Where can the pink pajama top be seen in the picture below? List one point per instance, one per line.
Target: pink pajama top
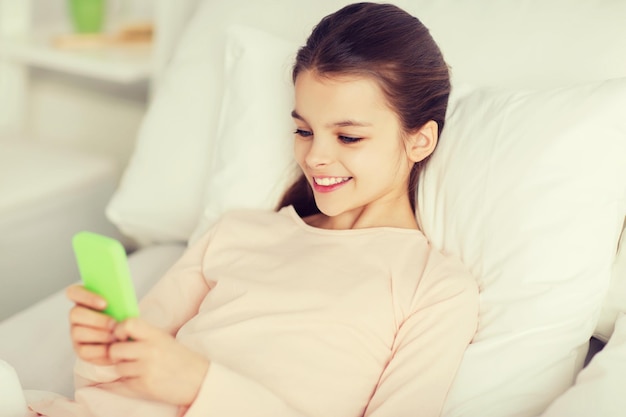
(302, 321)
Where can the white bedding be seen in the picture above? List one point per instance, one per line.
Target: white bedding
(44, 329)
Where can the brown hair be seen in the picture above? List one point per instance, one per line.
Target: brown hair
(385, 43)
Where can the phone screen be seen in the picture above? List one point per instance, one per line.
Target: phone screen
(103, 267)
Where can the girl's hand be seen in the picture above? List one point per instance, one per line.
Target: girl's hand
(156, 366)
(91, 331)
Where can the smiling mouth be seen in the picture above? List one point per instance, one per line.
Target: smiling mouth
(328, 181)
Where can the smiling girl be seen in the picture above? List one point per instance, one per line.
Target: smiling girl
(334, 305)
(353, 152)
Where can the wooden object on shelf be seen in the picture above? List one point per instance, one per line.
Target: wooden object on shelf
(136, 34)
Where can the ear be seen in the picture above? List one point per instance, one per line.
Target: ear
(422, 142)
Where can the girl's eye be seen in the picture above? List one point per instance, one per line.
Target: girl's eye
(303, 133)
(348, 139)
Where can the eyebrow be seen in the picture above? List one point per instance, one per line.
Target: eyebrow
(342, 123)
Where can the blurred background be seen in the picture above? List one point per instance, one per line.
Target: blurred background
(71, 103)
(85, 95)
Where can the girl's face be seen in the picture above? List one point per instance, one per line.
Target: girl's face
(350, 146)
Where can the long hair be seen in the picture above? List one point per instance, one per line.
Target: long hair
(388, 45)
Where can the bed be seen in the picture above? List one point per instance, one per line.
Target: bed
(528, 185)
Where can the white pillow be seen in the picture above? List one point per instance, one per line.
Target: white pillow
(615, 302)
(529, 189)
(160, 196)
(253, 155)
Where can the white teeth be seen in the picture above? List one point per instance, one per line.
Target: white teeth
(326, 181)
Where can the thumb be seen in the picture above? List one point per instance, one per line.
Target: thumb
(136, 329)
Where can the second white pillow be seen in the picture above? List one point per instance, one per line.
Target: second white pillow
(253, 154)
(528, 189)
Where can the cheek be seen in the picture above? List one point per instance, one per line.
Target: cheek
(382, 157)
(300, 149)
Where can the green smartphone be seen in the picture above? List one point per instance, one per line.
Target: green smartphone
(104, 270)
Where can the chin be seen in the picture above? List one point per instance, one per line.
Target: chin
(326, 209)
(330, 210)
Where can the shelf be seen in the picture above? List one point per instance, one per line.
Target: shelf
(120, 64)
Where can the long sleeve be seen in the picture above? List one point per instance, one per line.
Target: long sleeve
(177, 296)
(226, 393)
(429, 347)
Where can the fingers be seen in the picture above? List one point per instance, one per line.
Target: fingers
(127, 356)
(136, 329)
(131, 358)
(88, 335)
(137, 341)
(96, 354)
(91, 333)
(81, 316)
(81, 296)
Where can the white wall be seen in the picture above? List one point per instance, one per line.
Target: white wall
(73, 111)
(81, 113)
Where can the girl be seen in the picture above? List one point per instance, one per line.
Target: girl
(336, 304)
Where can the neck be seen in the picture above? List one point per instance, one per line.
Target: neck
(398, 214)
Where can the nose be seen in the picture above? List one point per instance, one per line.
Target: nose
(320, 152)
